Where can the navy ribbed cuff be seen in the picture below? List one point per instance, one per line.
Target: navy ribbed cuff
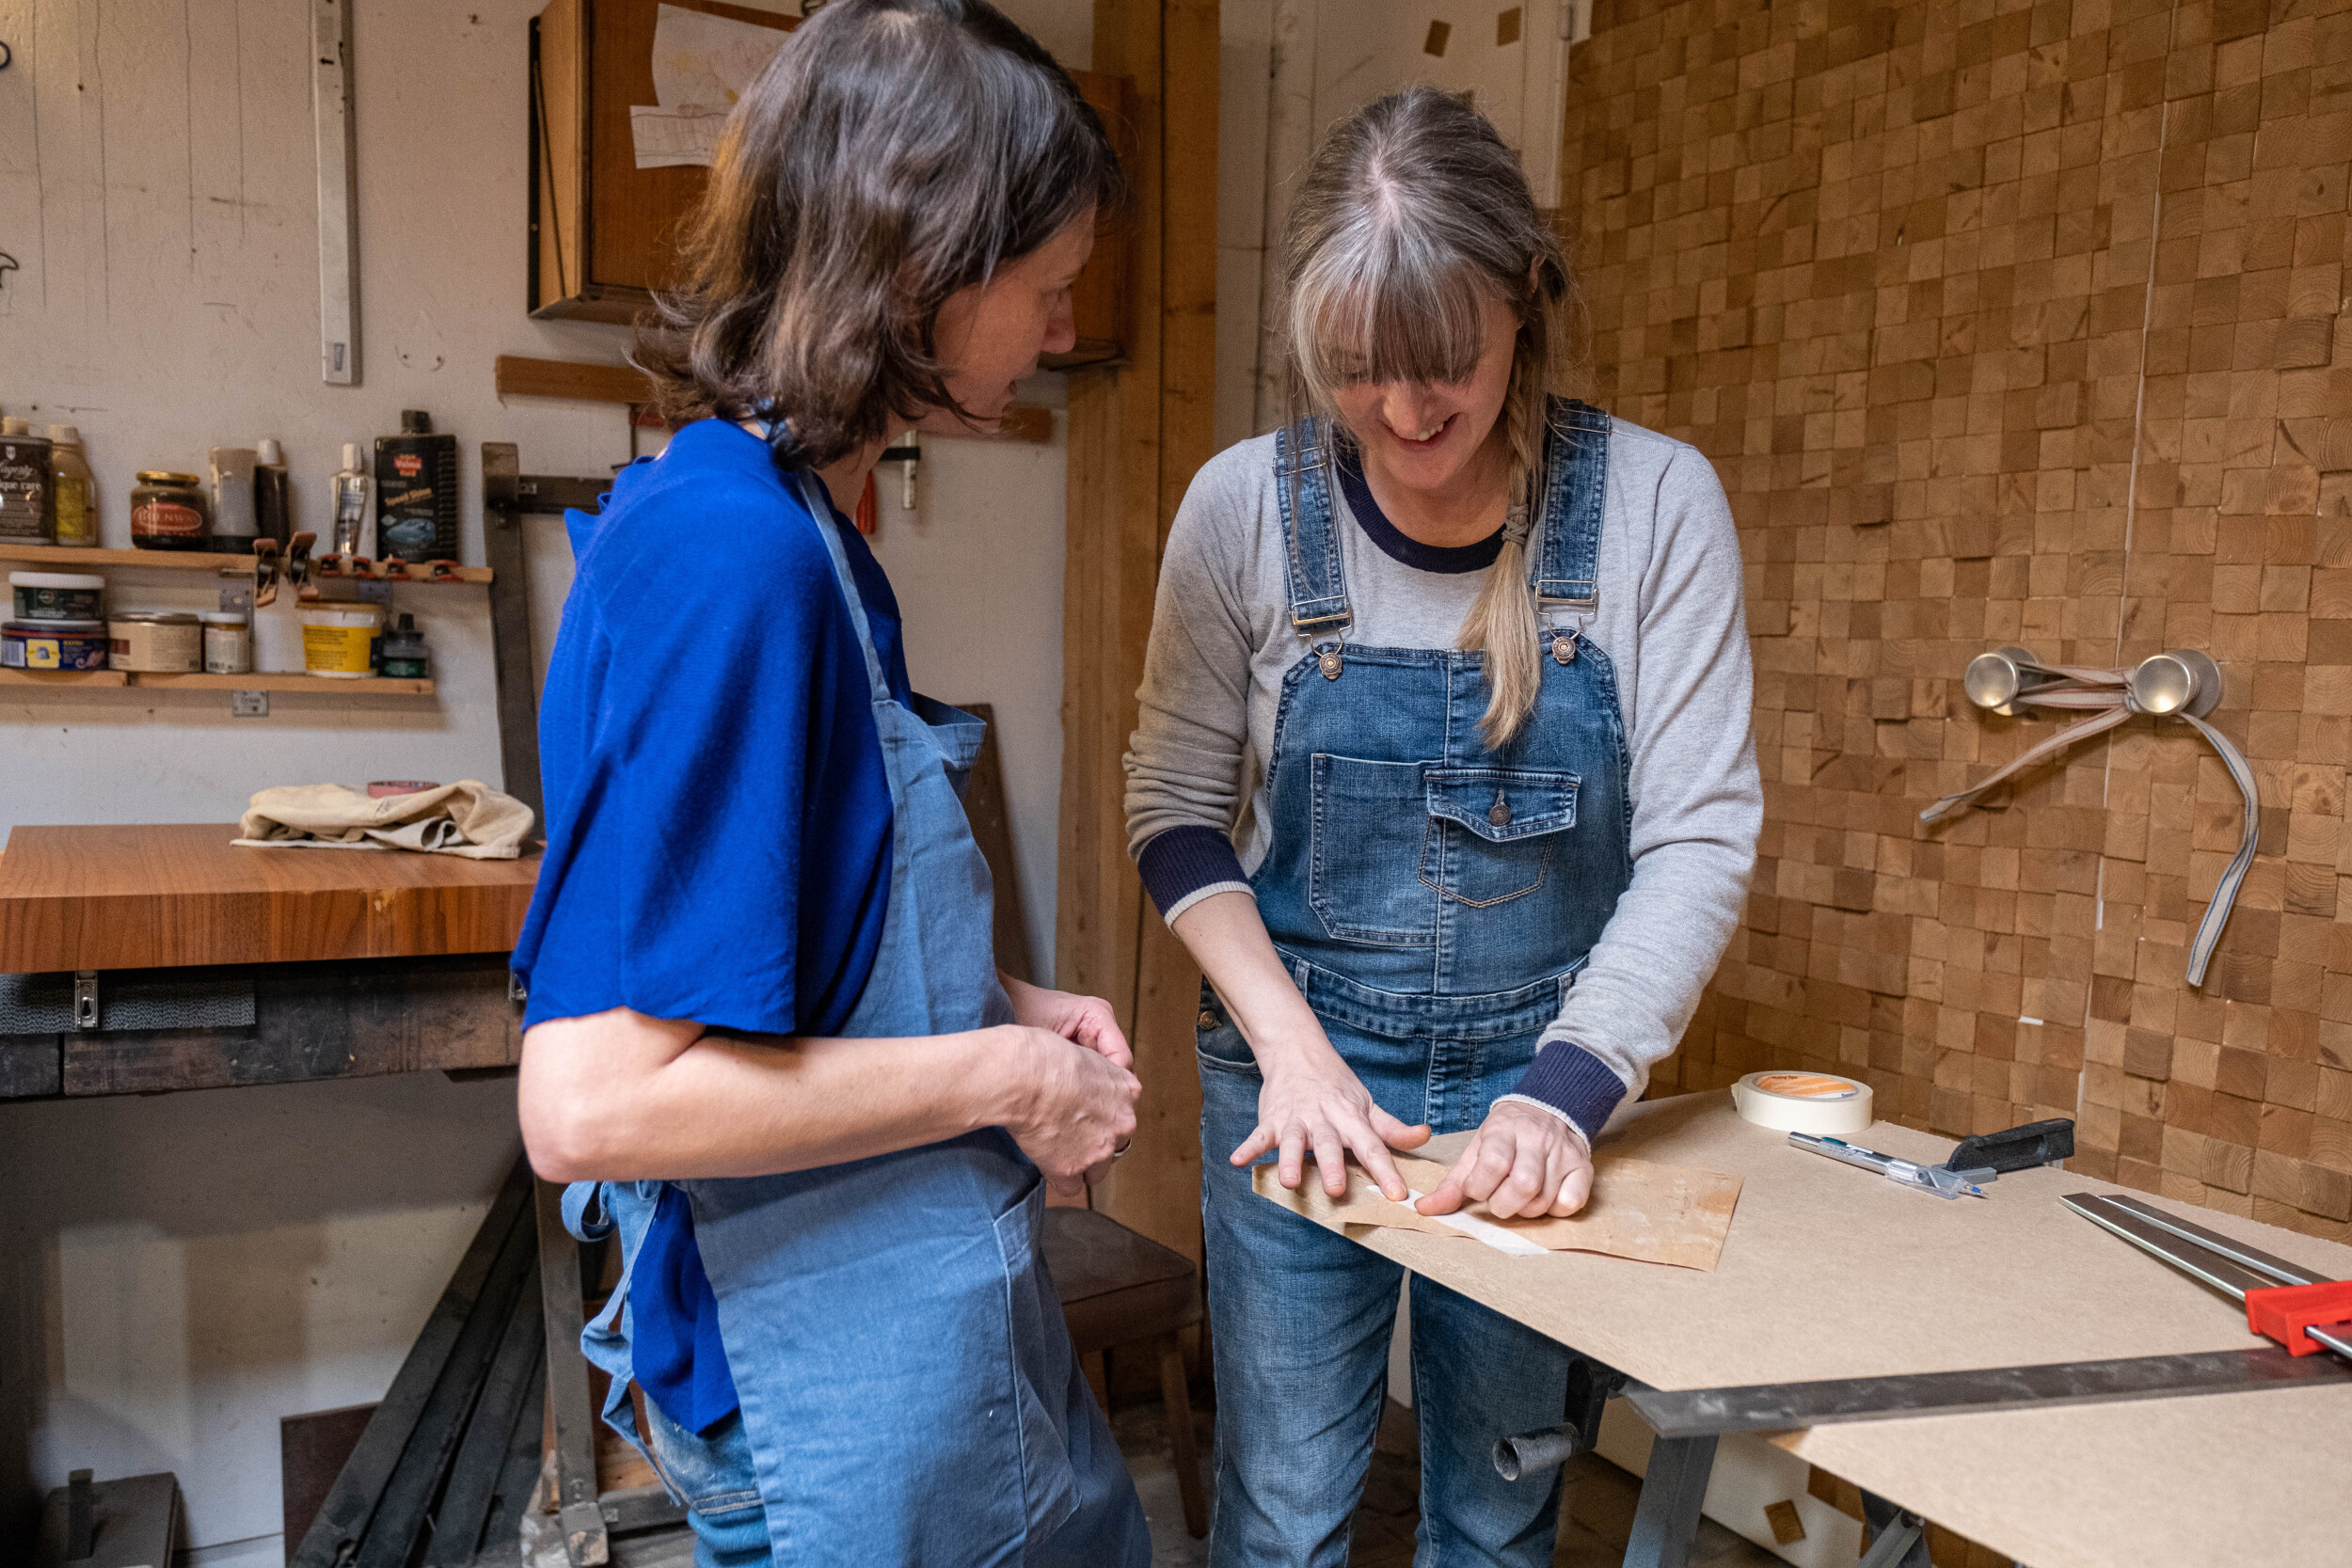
(1180, 861)
(1576, 1081)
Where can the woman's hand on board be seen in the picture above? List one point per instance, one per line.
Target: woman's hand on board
(1086, 1020)
(1313, 1101)
(1523, 1163)
(1074, 1107)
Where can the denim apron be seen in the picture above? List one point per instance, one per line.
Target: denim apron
(1433, 900)
(909, 1393)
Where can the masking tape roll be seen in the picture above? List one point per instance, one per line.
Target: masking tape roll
(1819, 1103)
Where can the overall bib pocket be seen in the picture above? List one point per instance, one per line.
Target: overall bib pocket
(1493, 831)
(1367, 835)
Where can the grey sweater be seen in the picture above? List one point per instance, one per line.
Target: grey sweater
(1670, 619)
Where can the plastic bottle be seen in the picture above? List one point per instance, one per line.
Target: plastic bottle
(273, 492)
(231, 495)
(353, 489)
(73, 493)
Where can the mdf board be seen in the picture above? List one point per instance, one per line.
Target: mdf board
(605, 233)
(1833, 1272)
(151, 896)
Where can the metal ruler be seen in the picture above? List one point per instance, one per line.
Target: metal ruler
(339, 204)
(2233, 1268)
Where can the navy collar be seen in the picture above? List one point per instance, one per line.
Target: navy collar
(1394, 542)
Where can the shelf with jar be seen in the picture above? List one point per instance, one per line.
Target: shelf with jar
(373, 686)
(75, 630)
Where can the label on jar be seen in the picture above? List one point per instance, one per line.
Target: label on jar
(158, 647)
(227, 650)
(24, 516)
(167, 520)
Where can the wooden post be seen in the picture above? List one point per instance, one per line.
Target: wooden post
(1138, 433)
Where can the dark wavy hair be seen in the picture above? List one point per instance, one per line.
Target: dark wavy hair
(893, 153)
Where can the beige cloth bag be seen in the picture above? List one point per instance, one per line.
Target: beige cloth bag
(467, 819)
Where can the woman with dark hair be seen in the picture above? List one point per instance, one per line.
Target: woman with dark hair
(1443, 773)
(766, 1039)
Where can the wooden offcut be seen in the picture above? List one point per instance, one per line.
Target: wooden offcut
(163, 896)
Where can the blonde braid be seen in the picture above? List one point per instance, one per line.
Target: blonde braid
(1502, 625)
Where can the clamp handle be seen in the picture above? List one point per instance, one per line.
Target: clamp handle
(2283, 1312)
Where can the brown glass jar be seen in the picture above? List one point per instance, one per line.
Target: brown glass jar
(167, 512)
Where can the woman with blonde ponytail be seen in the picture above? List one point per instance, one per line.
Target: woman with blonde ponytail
(1444, 775)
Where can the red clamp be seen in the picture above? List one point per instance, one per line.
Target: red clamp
(2282, 1312)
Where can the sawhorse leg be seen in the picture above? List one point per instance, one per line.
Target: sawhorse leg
(1666, 1520)
(568, 1393)
(1898, 1538)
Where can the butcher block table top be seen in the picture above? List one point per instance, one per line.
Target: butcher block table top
(1831, 1270)
(150, 896)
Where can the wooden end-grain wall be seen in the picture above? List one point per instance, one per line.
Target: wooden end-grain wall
(2013, 323)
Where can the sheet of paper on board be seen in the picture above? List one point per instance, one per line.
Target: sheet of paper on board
(1657, 1213)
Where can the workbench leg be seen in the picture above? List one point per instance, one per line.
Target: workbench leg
(568, 1392)
(1666, 1520)
(1887, 1521)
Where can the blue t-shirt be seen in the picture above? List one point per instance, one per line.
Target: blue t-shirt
(717, 817)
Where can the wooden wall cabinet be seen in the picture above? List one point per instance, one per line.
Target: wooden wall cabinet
(603, 232)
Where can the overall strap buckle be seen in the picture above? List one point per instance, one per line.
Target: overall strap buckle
(1575, 485)
(1316, 584)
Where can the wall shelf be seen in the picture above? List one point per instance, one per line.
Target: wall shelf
(202, 560)
(377, 686)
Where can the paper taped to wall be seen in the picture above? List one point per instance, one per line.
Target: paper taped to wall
(701, 65)
(707, 60)
(671, 138)
(1657, 1213)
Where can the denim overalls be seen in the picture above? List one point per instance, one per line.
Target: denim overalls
(909, 1392)
(1433, 900)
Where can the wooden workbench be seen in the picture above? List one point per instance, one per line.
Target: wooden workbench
(357, 962)
(1834, 1272)
(151, 897)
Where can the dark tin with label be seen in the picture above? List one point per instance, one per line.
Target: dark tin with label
(25, 517)
(416, 492)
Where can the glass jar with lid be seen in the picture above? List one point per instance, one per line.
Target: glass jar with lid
(167, 512)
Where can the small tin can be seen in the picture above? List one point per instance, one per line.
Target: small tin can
(167, 512)
(156, 642)
(53, 645)
(57, 596)
(227, 643)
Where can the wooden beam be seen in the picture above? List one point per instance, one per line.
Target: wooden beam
(1136, 436)
(513, 376)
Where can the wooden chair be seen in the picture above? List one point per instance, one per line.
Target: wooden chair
(1121, 1289)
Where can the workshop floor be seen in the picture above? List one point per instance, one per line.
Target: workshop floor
(1598, 1517)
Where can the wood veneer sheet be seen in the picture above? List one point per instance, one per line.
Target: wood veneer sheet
(1656, 1213)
